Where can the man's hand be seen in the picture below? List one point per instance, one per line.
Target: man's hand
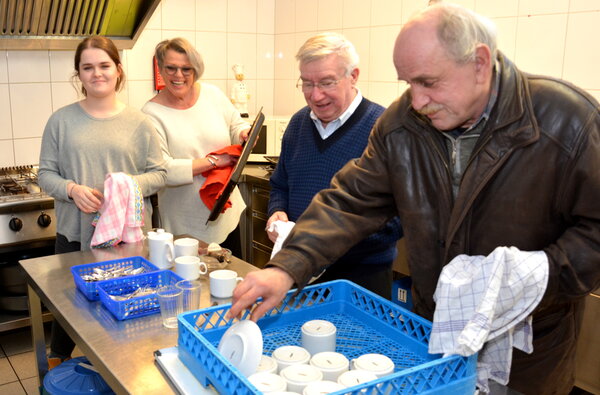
(277, 216)
(271, 284)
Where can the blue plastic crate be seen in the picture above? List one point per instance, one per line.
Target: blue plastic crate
(141, 305)
(365, 322)
(89, 288)
(401, 292)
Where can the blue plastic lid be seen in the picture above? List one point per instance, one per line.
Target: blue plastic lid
(75, 376)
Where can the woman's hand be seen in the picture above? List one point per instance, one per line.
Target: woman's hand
(277, 216)
(224, 160)
(244, 136)
(86, 199)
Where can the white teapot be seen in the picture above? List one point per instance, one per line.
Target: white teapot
(160, 244)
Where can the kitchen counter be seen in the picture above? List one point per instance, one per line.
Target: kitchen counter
(256, 173)
(121, 351)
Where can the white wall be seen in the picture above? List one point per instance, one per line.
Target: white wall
(33, 84)
(554, 37)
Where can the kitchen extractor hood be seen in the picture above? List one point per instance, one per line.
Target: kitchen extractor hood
(62, 24)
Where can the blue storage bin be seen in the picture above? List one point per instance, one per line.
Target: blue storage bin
(137, 306)
(75, 377)
(89, 288)
(365, 322)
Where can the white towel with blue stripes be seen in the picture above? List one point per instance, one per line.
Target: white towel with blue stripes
(484, 304)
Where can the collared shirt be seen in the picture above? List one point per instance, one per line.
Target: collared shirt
(461, 141)
(337, 123)
(488, 108)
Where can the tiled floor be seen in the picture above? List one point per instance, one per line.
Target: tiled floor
(18, 375)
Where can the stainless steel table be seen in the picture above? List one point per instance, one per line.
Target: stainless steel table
(122, 351)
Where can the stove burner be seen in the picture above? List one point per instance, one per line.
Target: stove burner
(16, 181)
(10, 187)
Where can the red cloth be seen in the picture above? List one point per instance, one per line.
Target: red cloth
(216, 179)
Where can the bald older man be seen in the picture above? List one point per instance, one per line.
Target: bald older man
(476, 154)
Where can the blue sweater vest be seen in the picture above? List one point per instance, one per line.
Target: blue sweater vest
(307, 164)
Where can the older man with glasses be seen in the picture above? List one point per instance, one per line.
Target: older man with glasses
(320, 139)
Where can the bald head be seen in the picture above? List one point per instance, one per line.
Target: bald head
(458, 30)
(446, 54)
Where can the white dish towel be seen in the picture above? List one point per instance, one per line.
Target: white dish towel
(485, 303)
(283, 229)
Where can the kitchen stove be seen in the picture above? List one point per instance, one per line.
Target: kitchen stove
(27, 230)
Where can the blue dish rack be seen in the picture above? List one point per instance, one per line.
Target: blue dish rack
(365, 322)
(138, 306)
(89, 288)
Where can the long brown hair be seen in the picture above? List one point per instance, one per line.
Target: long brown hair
(107, 46)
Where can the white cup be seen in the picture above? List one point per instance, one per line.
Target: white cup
(160, 246)
(267, 364)
(186, 247)
(189, 267)
(318, 336)
(223, 282)
(322, 387)
(299, 376)
(290, 355)
(267, 382)
(331, 364)
(378, 364)
(355, 377)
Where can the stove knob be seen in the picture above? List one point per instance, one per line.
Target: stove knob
(44, 220)
(15, 224)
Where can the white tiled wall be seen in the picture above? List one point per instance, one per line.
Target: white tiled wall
(543, 36)
(554, 37)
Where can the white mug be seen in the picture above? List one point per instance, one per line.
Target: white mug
(331, 364)
(322, 387)
(267, 364)
(318, 336)
(299, 376)
(379, 364)
(160, 245)
(290, 355)
(223, 282)
(268, 382)
(186, 247)
(189, 267)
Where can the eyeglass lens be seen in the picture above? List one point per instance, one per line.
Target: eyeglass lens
(171, 70)
(306, 86)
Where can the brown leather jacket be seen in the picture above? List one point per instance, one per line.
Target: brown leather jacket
(532, 182)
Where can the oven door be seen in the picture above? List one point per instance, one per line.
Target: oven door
(13, 284)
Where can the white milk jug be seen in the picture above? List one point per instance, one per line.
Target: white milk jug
(160, 244)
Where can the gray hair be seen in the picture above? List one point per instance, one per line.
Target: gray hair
(460, 30)
(183, 46)
(328, 43)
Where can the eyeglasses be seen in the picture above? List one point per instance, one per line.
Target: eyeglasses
(325, 85)
(172, 70)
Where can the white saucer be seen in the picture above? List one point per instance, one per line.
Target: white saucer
(242, 345)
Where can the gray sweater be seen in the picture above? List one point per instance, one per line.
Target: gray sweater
(78, 147)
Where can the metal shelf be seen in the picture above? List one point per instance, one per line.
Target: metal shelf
(15, 321)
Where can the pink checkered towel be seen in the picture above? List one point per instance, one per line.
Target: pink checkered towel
(121, 216)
